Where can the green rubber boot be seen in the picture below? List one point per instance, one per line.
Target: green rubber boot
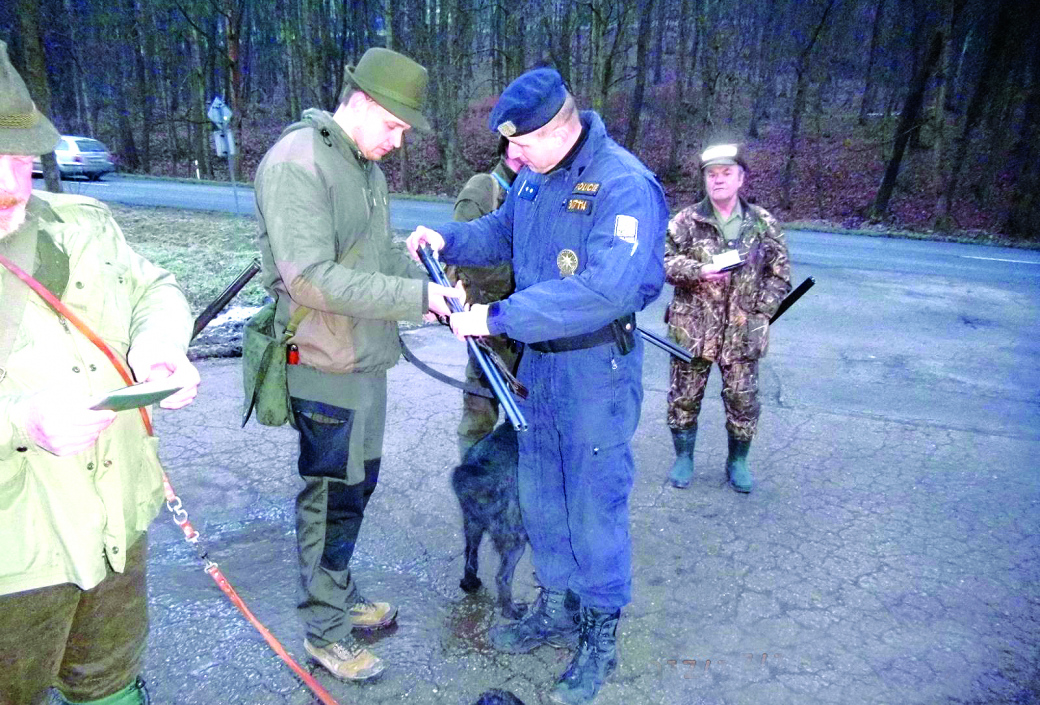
(736, 466)
(133, 694)
(682, 470)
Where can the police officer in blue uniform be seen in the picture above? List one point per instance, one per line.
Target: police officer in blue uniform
(584, 228)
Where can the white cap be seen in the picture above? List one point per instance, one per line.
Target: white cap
(721, 154)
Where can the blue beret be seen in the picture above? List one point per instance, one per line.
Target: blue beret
(529, 102)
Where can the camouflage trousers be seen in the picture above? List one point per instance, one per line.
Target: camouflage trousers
(480, 414)
(739, 395)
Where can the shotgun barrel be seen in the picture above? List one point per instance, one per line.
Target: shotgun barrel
(666, 345)
(491, 373)
(214, 309)
(791, 298)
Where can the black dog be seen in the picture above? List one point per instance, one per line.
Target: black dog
(485, 485)
(498, 697)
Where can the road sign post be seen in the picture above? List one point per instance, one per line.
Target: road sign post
(223, 141)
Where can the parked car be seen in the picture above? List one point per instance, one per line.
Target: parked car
(80, 156)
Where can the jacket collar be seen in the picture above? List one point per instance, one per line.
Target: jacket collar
(705, 212)
(41, 210)
(596, 133)
(503, 175)
(333, 135)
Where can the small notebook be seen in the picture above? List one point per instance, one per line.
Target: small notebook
(136, 395)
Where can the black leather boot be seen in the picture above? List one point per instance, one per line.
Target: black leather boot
(594, 661)
(552, 621)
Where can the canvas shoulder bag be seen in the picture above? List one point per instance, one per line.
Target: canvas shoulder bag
(264, 377)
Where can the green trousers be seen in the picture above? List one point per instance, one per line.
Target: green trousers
(739, 395)
(88, 644)
(480, 414)
(340, 454)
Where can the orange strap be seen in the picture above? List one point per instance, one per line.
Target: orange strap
(173, 502)
(61, 308)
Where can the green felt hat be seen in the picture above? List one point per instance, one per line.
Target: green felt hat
(23, 129)
(395, 82)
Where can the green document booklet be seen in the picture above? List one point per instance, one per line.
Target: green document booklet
(134, 396)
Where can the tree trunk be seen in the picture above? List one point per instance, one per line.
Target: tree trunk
(1024, 212)
(942, 80)
(249, 63)
(144, 51)
(233, 36)
(763, 67)
(499, 46)
(958, 74)
(867, 102)
(388, 23)
(84, 108)
(920, 27)
(564, 60)
(517, 54)
(309, 49)
(799, 107)
(662, 26)
(127, 144)
(596, 42)
(995, 50)
(196, 110)
(636, 109)
(295, 62)
(907, 125)
(677, 114)
(610, 56)
(35, 75)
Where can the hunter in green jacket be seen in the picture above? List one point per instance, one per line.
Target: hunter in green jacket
(322, 206)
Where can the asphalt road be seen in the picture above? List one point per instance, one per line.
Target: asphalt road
(888, 553)
(405, 214)
(930, 313)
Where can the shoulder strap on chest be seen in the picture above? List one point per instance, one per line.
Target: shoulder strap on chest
(19, 249)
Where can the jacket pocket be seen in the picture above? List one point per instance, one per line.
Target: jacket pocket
(684, 327)
(114, 278)
(24, 530)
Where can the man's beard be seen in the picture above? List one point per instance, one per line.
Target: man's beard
(10, 218)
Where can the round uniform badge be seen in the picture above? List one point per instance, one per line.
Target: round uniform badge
(567, 261)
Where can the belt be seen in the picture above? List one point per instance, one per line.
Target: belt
(606, 334)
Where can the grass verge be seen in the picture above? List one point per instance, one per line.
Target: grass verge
(204, 250)
(207, 250)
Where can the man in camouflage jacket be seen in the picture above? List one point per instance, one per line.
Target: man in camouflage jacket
(721, 313)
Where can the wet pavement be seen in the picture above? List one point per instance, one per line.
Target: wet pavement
(888, 554)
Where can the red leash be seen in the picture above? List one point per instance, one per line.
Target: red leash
(173, 502)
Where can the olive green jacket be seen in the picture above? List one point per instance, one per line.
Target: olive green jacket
(60, 517)
(725, 319)
(482, 194)
(326, 244)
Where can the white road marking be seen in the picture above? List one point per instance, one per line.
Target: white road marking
(999, 259)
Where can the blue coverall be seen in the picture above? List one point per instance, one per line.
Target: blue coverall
(575, 467)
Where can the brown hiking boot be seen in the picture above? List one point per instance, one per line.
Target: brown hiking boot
(372, 615)
(346, 659)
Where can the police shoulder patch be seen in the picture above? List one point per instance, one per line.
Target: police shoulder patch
(588, 187)
(579, 205)
(626, 229)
